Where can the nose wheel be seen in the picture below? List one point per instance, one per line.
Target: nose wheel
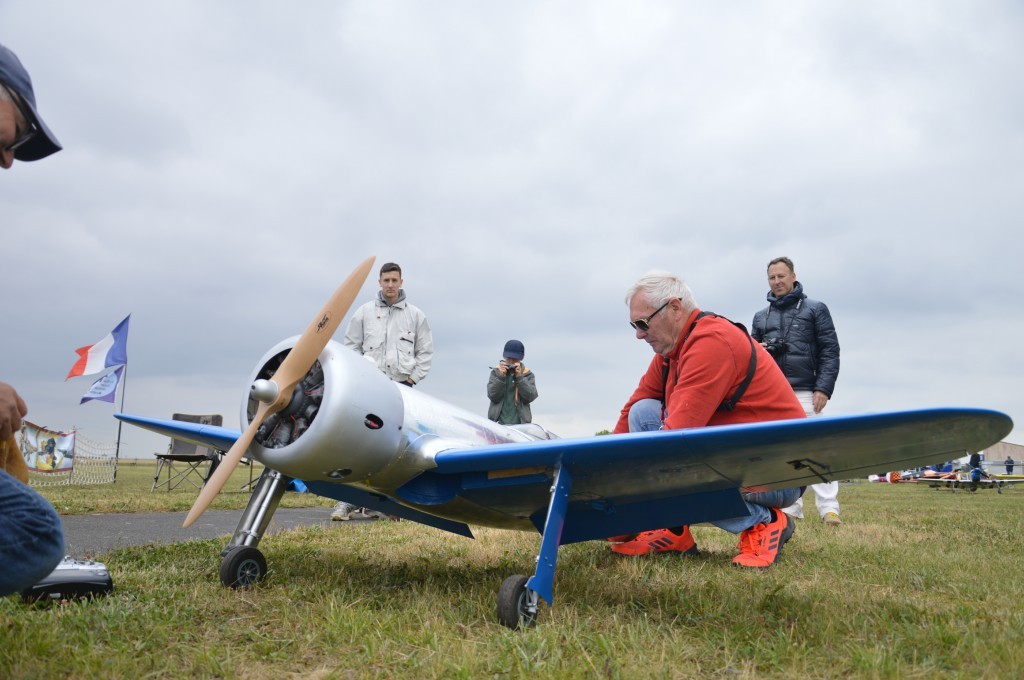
(243, 566)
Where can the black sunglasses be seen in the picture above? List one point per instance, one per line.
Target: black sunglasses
(30, 133)
(645, 324)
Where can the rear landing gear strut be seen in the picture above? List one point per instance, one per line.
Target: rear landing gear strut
(519, 596)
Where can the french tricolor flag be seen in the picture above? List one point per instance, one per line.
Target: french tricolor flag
(110, 351)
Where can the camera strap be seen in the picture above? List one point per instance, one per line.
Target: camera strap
(730, 403)
(792, 320)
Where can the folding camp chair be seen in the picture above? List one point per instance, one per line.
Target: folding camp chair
(184, 461)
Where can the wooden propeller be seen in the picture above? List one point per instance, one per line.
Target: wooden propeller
(294, 367)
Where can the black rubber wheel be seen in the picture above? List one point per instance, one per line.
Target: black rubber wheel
(512, 599)
(243, 567)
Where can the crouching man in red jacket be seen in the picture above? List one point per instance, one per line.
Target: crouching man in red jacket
(706, 371)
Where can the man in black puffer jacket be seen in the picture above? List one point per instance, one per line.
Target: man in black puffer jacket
(798, 332)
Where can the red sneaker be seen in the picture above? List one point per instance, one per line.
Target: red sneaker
(658, 541)
(760, 545)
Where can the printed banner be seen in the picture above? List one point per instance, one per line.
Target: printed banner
(45, 450)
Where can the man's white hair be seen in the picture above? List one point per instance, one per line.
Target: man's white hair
(658, 287)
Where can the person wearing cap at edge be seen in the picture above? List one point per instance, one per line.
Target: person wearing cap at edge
(23, 134)
(31, 535)
(511, 387)
(706, 371)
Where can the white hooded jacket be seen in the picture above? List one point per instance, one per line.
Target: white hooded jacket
(396, 336)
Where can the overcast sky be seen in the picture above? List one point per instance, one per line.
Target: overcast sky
(226, 165)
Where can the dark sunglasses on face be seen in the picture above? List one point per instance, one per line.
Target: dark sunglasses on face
(31, 130)
(645, 324)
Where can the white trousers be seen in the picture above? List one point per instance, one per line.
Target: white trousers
(826, 494)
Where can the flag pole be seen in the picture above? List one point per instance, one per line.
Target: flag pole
(117, 448)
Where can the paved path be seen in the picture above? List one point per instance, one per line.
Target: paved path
(95, 535)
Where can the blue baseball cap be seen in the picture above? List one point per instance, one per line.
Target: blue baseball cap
(514, 350)
(15, 78)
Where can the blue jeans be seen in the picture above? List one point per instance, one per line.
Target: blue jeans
(646, 416)
(31, 536)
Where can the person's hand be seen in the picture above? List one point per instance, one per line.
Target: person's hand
(12, 410)
(819, 399)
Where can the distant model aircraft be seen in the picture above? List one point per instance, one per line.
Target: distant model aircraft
(895, 477)
(319, 412)
(969, 480)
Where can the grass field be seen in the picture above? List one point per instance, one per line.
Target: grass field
(916, 583)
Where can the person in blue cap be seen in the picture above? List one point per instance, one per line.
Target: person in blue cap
(23, 134)
(31, 534)
(511, 387)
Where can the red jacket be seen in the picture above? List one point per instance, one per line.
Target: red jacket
(704, 369)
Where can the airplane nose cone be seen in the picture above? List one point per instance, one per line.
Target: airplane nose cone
(264, 391)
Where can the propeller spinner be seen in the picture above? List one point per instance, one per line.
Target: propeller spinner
(276, 393)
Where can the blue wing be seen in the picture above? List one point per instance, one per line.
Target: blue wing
(211, 436)
(632, 482)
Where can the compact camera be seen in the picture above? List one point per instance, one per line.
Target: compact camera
(776, 347)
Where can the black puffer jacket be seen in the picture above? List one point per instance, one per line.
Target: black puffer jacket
(811, 359)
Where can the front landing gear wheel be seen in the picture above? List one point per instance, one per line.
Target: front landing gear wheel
(242, 567)
(517, 604)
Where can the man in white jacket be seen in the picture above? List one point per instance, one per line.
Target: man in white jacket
(395, 334)
(392, 332)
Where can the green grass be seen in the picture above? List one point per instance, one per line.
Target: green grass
(917, 583)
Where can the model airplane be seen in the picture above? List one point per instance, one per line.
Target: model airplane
(969, 480)
(319, 412)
